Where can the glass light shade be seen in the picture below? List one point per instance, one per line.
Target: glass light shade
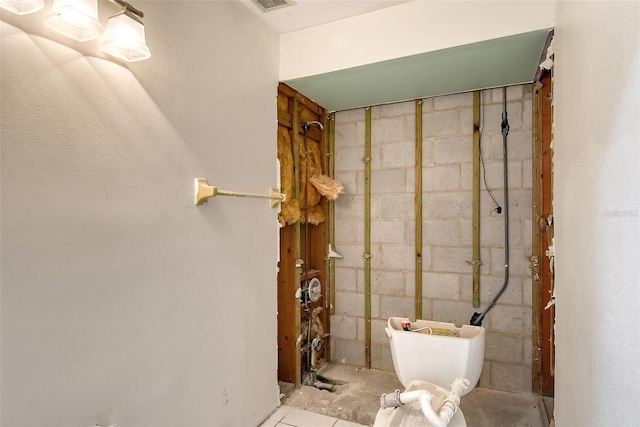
(22, 7)
(77, 19)
(125, 39)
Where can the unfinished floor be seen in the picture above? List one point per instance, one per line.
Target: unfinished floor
(357, 399)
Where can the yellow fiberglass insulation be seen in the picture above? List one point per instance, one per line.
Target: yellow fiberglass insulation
(290, 209)
(293, 210)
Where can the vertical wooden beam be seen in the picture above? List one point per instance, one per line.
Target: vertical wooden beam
(418, 199)
(295, 119)
(476, 199)
(331, 171)
(536, 248)
(367, 237)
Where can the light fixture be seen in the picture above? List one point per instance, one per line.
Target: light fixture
(124, 37)
(77, 19)
(22, 7)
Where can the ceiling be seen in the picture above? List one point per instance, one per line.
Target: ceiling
(302, 14)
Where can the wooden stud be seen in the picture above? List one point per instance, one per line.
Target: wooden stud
(332, 211)
(367, 237)
(297, 379)
(418, 200)
(476, 199)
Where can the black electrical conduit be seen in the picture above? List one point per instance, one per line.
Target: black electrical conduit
(476, 319)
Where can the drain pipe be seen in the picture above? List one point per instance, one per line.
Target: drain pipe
(448, 408)
(476, 319)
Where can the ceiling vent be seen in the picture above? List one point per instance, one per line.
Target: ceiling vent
(268, 5)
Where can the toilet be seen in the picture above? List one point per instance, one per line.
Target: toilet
(436, 362)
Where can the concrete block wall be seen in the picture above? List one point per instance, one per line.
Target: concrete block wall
(447, 223)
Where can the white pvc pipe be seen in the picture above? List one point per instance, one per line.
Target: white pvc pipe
(448, 409)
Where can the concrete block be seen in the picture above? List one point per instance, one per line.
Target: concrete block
(376, 301)
(410, 181)
(520, 203)
(466, 177)
(347, 135)
(519, 144)
(353, 115)
(451, 259)
(391, 129)
(466, 229)
(351, 256)
(527, 174)
(427, 105)
(375, 312)
(502, 348)
(519, 262)
(349, 304)
(441, 177)
(453, 101)
(349, 206)
(398, 257)
(485, 375)
(427, 308)
(441, 123)
(349, 158)
(398, 154)
(345, 231)
(492, 231)
(490, 286)
(527, 111)
(466, 121)
(493, 116)
(388, 181)
(527, 357)
(449, 205)
(407, 108)
(348, 179)
(346, 279)
(397, 205)
(386, 362)
(517, 230)
(494, 175)
(410, 232)
(506, 319)
(387, 231)
(527, 291)
(452, 311)
(343, 327)
(395, 306)
(427, 150)
(376, 356)
(348, 351)
(511, 377)
(436, 232)
(384, 282)
(513, 93)
(377, 331)
(441, 286)
(455, 149)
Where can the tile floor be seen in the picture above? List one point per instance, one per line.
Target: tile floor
(287, 416)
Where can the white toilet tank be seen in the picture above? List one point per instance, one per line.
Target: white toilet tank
(436, 352)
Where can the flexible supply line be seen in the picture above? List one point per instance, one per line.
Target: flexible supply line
(476, 319)
(447, 410)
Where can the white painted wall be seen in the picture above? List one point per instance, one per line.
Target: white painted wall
(122, 302)
(407, 29)
(597, 211)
